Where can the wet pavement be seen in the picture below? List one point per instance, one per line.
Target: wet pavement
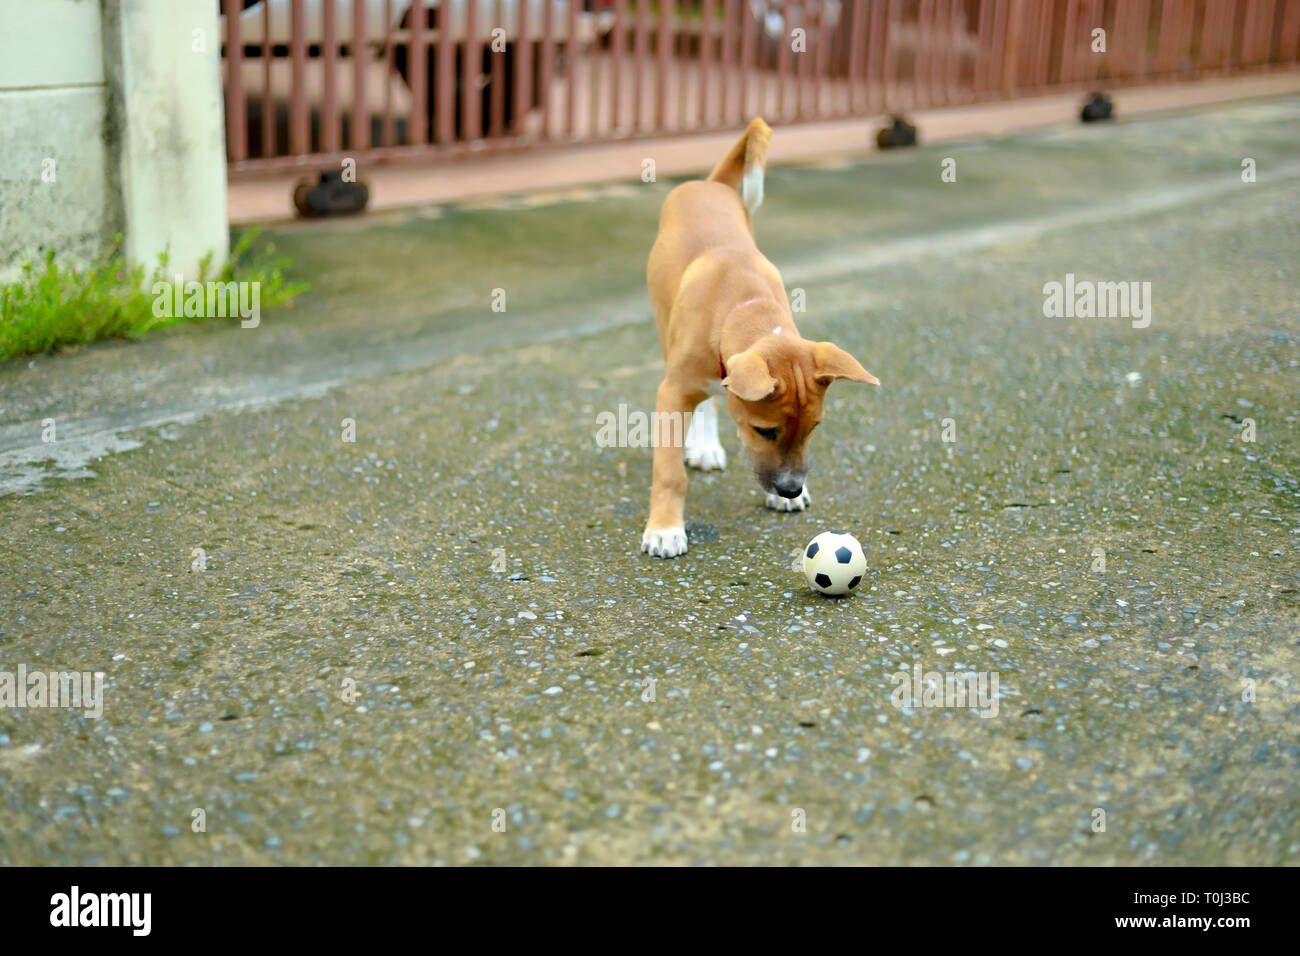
(439, 643)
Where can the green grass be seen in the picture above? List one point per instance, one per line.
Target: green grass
(51, 306)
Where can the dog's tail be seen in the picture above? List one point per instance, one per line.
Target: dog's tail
(742, 167)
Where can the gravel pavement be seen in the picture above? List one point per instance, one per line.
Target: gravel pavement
(439, 643)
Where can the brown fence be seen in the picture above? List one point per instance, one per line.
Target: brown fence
(309, 82)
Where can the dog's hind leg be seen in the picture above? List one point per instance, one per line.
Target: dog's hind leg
(703, 450)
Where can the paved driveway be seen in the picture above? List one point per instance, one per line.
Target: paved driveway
(439, 643)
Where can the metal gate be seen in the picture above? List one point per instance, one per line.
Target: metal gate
(308, 82)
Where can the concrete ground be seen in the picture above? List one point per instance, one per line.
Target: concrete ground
(440, 644)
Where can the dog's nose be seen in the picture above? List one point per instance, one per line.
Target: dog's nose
(789, 487)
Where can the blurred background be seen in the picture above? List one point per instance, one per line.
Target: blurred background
(167, 122)
(309, 77)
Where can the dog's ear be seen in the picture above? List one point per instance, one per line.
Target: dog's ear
(833, 363)
(748, 377)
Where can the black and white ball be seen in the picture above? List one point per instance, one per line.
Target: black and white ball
(834, 562)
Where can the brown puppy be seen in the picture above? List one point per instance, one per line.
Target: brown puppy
(724, 318)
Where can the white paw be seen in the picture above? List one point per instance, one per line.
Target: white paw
(778, 503)
(664, 542)
(706, 457)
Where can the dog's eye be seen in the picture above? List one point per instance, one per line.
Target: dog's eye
(767, 433)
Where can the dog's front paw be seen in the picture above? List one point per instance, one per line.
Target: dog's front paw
(706, 456)
(778, 503)
(664, 542)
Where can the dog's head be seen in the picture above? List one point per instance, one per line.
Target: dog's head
(775, 390)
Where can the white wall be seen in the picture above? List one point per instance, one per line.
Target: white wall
(124, 96)
(52, 111)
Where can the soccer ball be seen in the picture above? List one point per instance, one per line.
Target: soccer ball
(834, 563)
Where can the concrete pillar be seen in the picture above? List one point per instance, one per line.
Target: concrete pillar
(111, 122)
(165, 134)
